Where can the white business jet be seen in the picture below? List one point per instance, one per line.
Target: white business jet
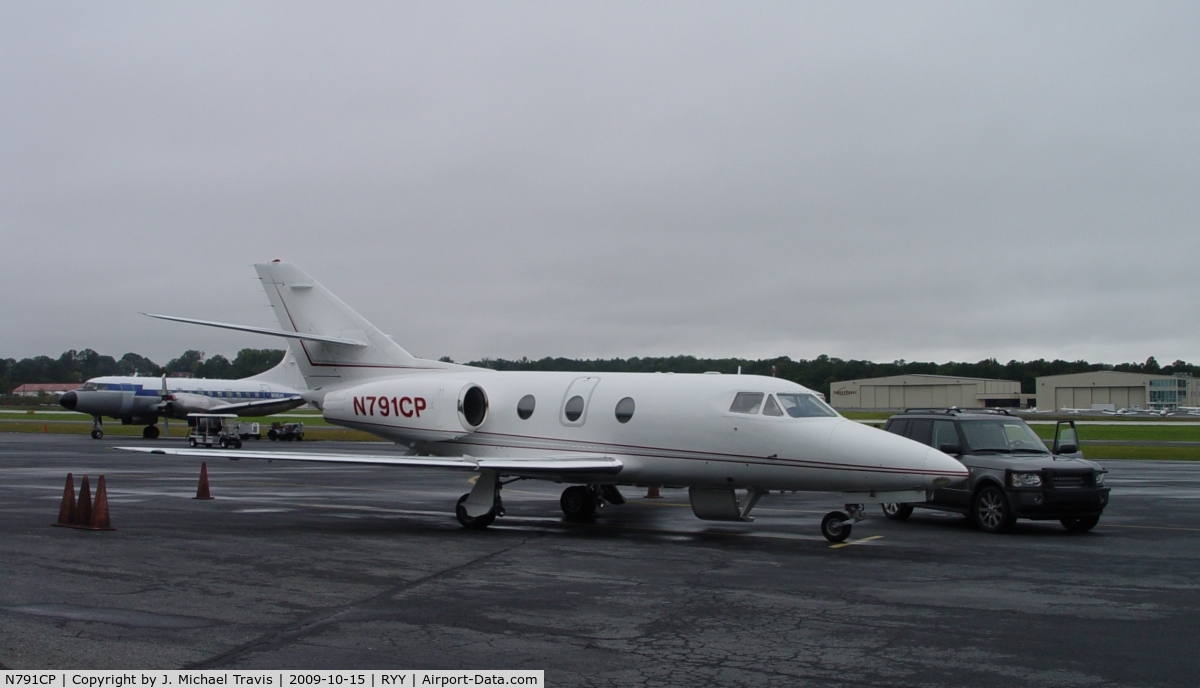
(143, 400)
(714, 434)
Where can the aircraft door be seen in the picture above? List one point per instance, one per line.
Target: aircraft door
(573, 411)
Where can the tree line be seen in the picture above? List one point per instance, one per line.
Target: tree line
(77, 366)
(818, 373)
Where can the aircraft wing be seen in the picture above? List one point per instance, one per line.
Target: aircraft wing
(539, 467)
(242, 407)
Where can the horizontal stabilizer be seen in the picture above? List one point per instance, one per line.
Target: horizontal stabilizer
(575, 464)
(262, 330)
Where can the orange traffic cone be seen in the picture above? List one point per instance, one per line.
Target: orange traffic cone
(44, 428)
(66, 512)
(83, 508)
(653, 493)
(99, 520)
(202, 488)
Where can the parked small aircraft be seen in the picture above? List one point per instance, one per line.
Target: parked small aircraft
(713, 434)
(143, 400)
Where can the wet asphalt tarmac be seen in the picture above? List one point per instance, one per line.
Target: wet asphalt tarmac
(306, 566)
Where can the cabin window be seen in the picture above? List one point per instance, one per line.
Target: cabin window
(746, 402)
(805, 406)
(525, 406)
(625, 410)
(771, 408)
(574, 408)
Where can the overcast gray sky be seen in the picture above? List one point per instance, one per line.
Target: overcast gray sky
(926, 181)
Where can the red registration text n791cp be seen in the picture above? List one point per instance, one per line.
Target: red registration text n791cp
(389, 406)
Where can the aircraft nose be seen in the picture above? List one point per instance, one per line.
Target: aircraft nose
(69, 400)
(948, 469)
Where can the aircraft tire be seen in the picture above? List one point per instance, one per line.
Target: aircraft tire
(578, 503)
(836, 526)
(150, 432)
(1079, 524)
(468, 522)
(897, 512)
(97, 434)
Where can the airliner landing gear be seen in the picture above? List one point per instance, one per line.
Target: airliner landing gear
(836, 525)
(97, 428)
(476, 523)
(486, 495)
(150, 432)
(579, 502)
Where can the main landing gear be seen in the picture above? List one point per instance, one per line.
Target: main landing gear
(97, 428)
(480, 507)
(836, 525)
(580, 502)
(150, 432)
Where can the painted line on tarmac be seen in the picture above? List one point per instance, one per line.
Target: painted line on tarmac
(863, 541)
(1118, 525)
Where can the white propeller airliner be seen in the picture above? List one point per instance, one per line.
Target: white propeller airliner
(714, 434)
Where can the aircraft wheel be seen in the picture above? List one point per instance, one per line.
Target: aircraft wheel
(1079, 524)
(990, 511)
(836, 526)
(578, 503)
(897, 512)
(97, 434)
(150, 432)
(472, 523)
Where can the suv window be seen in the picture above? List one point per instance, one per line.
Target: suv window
(920, 430)
(1007, 435)
(944, 433)
(897, 426)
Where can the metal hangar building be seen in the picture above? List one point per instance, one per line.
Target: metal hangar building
(1109, 389)
(927, 391)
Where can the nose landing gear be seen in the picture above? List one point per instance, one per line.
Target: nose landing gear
(836, 525)
(97, 428)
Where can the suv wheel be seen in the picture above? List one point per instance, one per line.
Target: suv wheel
(897, 512)
(990, 510)
(1079, 524)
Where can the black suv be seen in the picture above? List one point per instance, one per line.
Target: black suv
(1013, 475)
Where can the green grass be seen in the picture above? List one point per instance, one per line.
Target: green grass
(1184, 432)
(867, 415)
(1100, 452)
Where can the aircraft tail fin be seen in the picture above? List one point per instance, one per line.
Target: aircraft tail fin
(286, 373)
(303, 306)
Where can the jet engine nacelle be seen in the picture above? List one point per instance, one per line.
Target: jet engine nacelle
(179, 405)
(420, 408)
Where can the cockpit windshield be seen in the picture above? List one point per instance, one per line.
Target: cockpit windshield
(90, 387)
(805, 406)
(1002, 435)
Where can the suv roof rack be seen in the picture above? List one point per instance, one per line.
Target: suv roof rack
(955, 410)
